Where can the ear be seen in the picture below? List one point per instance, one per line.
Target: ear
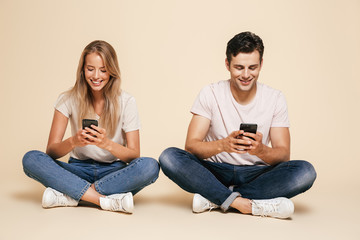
(261, 63)
(227, 64)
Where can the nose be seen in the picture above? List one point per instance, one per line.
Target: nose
(96, 74)
(246, 74)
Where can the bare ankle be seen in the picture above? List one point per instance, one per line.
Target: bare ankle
(242, 204)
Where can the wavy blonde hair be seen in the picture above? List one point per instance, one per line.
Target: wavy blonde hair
(81, 92)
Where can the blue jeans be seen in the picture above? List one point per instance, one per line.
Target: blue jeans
(221, 183)
(74, 178)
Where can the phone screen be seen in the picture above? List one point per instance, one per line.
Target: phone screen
(249, 127)
(88, 123)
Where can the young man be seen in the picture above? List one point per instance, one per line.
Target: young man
(227, 167)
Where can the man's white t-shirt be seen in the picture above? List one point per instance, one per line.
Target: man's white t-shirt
(216, 102)
(128, 121)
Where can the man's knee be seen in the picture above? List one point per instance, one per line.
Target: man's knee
(169, 159)
(306, 174)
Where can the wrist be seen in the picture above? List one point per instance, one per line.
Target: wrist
(72, 142)
(262, 153)
(109, 145)
(220, 146)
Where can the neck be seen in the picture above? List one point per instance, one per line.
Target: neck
(243, 97)
(98, 96)
(98, 102)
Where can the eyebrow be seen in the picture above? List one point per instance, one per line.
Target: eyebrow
(88, 65)
(253, 65)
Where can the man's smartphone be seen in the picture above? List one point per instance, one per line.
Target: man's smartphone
(249, 127)
(88, 123)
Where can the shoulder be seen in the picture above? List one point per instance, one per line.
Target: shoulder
(221, 85)
(127, 101)
(269, 92)
(126, 97)
(216, 88)
(65, 98)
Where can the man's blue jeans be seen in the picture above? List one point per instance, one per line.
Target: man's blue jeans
(221, 183)
(74, 178)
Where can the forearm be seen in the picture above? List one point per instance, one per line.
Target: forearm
(274, 156)
(58, 150)
(123, 153)
(204, 150)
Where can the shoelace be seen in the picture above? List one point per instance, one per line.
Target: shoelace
(61, 199)
(210, 205)
(266, 208)
(116, 204)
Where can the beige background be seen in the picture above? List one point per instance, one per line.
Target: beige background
(169, 50)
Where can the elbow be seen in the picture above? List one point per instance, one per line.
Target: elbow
(50, 153)
(188, 148)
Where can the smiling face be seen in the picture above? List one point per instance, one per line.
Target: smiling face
(95, 72)
(244, 71)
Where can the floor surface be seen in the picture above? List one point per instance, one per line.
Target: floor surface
(163, 211)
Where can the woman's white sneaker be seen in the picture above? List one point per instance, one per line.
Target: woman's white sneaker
(52, 198)
(277, 207)
(201, 204)
(122, 202)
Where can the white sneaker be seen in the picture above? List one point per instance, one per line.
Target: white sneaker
(52, 198)
(277, 207)
(201, 204)
(122, 202)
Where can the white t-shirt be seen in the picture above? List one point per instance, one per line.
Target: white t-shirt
(216, 102)
(128, 121)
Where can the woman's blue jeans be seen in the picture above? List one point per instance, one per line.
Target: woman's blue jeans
(221, 183)
(74, 178)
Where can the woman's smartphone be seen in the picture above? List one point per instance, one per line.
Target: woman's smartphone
(249, 127)
(88, 123)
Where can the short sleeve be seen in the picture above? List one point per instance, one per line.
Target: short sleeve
(62, 105)
(203, 103)
(131, 118)
(280, 118)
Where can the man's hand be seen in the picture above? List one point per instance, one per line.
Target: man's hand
(256, 146)
(234, 143)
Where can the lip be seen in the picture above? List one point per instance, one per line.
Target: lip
(96, 83)
(245, 82)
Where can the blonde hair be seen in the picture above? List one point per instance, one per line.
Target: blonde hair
(81, 92)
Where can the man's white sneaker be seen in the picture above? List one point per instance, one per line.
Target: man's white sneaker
(277, 207)
(122, 202)
(52, 198)
(201, 204)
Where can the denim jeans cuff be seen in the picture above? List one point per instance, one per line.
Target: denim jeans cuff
(79, 196)
(225, 205)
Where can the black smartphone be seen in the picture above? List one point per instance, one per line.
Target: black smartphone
(88, 123)
(249, 127)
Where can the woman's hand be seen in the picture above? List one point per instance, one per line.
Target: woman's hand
(79, 139)
(95, 136)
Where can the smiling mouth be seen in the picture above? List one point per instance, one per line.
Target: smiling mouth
(245, 82)
(97, 83)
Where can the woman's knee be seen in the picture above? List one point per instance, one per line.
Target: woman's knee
(153, 168)
(30, 159)
(148, 168)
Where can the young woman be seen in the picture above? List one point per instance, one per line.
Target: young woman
(105, 167)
